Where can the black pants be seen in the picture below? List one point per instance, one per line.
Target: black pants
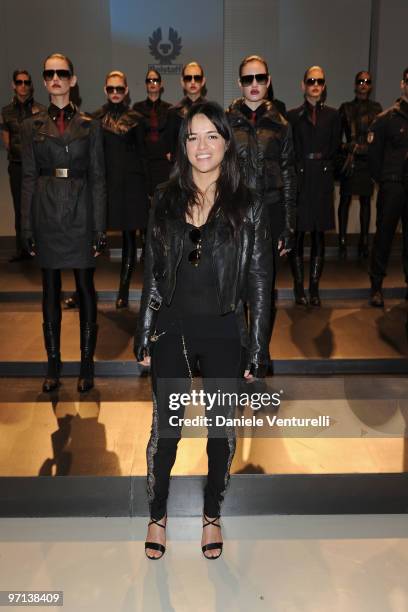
(51, 280)
(129, 246)
(15, 176)
(343, 213)
(318, 244)
(219, 358)
(392, 205)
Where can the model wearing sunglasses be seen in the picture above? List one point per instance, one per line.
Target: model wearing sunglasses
(183, 315)
(316, 135)
(123, 132)
(155, 111)
(193, 82)
(71, 238)
(265, 150)
(356, 117)
(11, 121)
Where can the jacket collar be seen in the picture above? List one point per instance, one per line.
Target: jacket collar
(269, 110)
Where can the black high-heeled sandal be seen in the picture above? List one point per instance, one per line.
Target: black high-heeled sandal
(156, 545)
(212, 545)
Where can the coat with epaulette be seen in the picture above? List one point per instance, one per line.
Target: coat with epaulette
(388, 145)
(63, 214)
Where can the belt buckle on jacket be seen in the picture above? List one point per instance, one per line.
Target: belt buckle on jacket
(61, 172)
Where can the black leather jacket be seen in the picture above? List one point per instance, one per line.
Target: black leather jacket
(266, 157)
(243, 267)
(12, 117)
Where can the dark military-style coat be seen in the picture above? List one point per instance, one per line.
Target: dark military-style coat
(12, 117)
(316, 147)
(63, 214)
(388, 144)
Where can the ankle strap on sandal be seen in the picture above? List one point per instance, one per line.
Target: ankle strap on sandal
(211, 521)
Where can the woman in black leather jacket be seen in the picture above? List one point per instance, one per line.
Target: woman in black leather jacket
(208, 251)
(265, 151)
(63, 211)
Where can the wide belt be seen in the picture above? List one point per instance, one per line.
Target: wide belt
(314, 156)
(62, 173)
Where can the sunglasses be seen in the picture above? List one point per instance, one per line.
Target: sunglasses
(247, 79)
(23, 82)
(152, 81)
(120, 89)
(195, 256)
(48, 75)
(187, 78)
(312, 81)
(362, 81)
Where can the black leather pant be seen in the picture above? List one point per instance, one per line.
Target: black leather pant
(129, 245)
(219, 358)
(51, 280)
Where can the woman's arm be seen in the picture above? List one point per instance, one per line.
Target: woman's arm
(260, 277)
(151, 299)
(96, 176)
(29, 184)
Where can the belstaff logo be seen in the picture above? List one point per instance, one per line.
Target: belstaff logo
(165, 51)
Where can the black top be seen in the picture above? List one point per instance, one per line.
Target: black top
(195, 308)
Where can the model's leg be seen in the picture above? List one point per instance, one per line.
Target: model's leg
(297, 267)
(128, 263)
(51, 306)
(316, 266)
(390, 203)
(84, 279)
(405, 240)
(365, 213)
(343, 214)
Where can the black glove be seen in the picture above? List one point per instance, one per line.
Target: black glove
(28, 243)
(141, 352)
(99, 242)
(258, 370)
(288, 240)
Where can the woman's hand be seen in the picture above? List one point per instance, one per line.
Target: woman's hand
(248, 375)
(146, 362)
(99, 243)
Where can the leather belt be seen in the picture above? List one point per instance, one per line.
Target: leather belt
(62, 173)
(314, 156)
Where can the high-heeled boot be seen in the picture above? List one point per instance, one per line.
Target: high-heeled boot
(343, 214)
(52, 333)
(316, 268)
(297, 268)
(126, 270)
(88, 343)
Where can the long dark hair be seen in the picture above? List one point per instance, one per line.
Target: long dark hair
(231, 197)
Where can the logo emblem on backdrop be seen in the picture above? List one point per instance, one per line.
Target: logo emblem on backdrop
(165, 51)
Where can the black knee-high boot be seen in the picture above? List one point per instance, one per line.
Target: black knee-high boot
(126, 270)
(88, 343)
(343, 214)
(127, 267)
(298, 273)
(316, 268)
(52, 334)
